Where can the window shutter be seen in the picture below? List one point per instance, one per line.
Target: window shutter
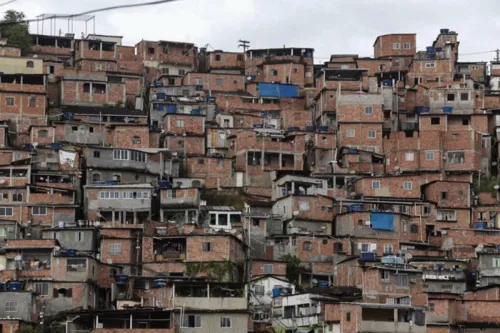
(69, 293)
(55, 294)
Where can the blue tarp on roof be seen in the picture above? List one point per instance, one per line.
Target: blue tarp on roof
(278, 90)
(382, 221)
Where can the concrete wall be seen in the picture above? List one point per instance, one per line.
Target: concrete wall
(78, 239)
(153, 163)
(18, 66)
(25, 302)
(210, 322)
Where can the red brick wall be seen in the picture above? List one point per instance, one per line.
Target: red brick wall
(123, 136)
(383, 45)
(191, 124)
(230, 82)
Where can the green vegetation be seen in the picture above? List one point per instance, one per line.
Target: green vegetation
(487, 185)
(219, 270)
(217, 198)
(29, 329)
(292, 267)
(16, 31)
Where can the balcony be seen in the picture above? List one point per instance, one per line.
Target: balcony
(407, 126)
(387, 326)
(210, 297)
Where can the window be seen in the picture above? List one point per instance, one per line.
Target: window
(207, 246)
(427, 210)
(225, 322)
(9, 101)
(96, 177)
(431, 307)
(385, 276)
(307, 246)
(5, 211)
(485, 142)
(375, 184)
(235, 81)
(414, 229)
(388, 248)
(79, 236)
(76, 265)
(137, 195)
(409, 156)
(446, 215)
(199, 81)
(171, 82)
(406, 46)
(97, 154)
(151, 50)
(372, 134)
(396, 46)
(496, 262)
(30, 64)
(217, 57)
(115, 249)
(239, 57)
(121, 154)
(201, 161)
(368, 110)
(338, 247)
(259, 290)
(182, 72)
(191, 321)
(430, 64)
(109, 195)
(450, 97)
(268, 268)
(43, 133)
(220, 163)
(39, 210)
(402, 280)
(3, 232)
(136, 140)
(444, 195)
(42, 288)
(32, 102)
(350, 133)
(464, 96)
(348, 316)
(10, 306)
(429, 156)
(455, 157)
(219, 82)
(164, 71)
(99, 88)
(408, 186)
(179, 123)
(304, 206)
(435, 121)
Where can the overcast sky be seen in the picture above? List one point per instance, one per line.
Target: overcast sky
(328, 26)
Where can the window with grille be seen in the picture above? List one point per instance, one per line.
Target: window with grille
(225, 322)
(42, 288)
(268, 269)
(402, 280)
(10, 306)
(39, 210)
(259, 290)
(115, 249)
(191, 321)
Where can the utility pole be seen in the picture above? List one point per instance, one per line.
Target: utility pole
(245, 44)
(498, 55)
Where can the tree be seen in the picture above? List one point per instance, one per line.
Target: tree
(16, 30)
(292, 267)
(28, 329)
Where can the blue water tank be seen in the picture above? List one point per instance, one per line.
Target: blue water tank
(68, 115)
(422, 109)
(69, 252)
(15, 286)
(271, 126)
(323, 284)
(368, 256)
(99, 183)
(163, 184)
(322, 129)
(258, 126)
(111, 182)
(352, 151)
(276, 292)
(430, 49)
(211, 99)
(444, 31)
(196, 111)
(355, 208)
(481, 225)
(161, 95)
(389, 259)
(27, 146)
(217, 111)
(158, 283)
(2, 286)
(56, 146)
(310, 128)
(447, 109)
(387, 83)
(121, 278)
(293, 128)
(171, 108)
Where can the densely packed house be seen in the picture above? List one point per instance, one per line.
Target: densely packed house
(168, 188)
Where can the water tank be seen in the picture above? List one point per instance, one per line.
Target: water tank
(355, 208)
(56, 146)
(310, 128)
(258, 125)
(196, 111)
(15, 286)
(161, 95)
(61, 224)
(293, 128)
(276, 292)
(322, 128)
(323, 284)
(447, 109)
(422, 109)
(121, 278)
(158, 283)
(163, 184)
(368, 256)
(2, 286)
(481, 225)
(111, 182)
(444, 31)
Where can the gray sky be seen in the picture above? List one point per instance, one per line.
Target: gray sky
(328, 26)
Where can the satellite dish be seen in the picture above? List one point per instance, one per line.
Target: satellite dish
(408, 256)
(2, 267)
(34, 144)
(296, 213)
(97, 223)
(368, 222)
(109, 261)
(2, 181)
(57, 248)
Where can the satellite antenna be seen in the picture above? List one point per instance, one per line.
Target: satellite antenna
(2, 181)
(296, 213)
(34, 144)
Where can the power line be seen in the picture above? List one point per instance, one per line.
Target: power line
(6, 3)
(151, 3)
